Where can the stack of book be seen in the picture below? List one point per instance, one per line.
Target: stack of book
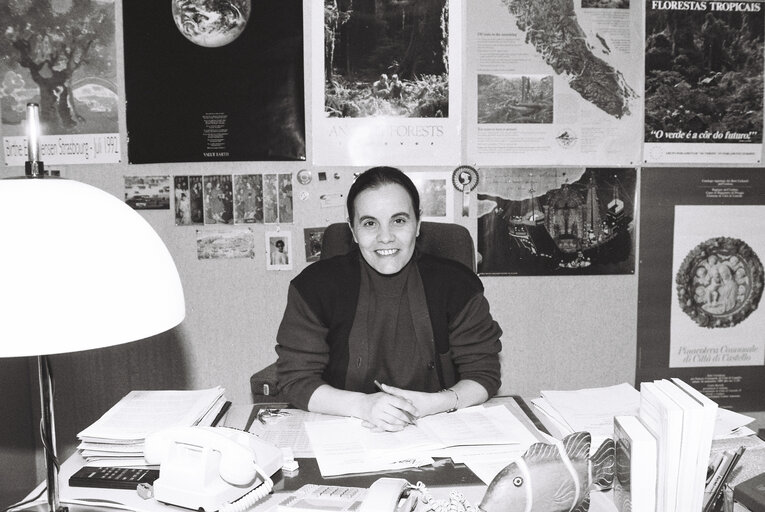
(117, 438)
(665, 447)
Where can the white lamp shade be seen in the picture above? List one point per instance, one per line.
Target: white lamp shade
(79, 269)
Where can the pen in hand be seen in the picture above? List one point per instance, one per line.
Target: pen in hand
(412, 418)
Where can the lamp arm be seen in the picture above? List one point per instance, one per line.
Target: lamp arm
(48, 432)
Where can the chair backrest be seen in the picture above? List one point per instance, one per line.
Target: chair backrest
(451, 241)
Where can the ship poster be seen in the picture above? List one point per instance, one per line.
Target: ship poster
(62, 56)
(214, 81)
(386, 82)
(704, 82)
(554, 83)
(556, 221)
(702, 243)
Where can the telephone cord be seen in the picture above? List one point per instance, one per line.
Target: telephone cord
(252, 497)
(457, 501)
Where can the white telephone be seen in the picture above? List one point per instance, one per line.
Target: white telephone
(211, 468)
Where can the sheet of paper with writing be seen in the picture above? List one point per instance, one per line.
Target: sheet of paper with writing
(345, 445)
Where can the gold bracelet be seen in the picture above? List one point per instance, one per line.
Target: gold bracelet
(456, 399)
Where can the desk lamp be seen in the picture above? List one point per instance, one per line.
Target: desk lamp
(79, 269)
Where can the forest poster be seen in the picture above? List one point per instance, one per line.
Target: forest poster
(557, 83)
(704, 82)
(386, 82)
(60, 55)
(214, 81)
(702, 240)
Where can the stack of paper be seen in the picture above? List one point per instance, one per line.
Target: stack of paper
(116, 439)
(589, 410)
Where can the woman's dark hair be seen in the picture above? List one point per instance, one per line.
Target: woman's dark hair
(377, 177)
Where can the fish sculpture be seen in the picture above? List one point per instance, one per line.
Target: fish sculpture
(547, 479)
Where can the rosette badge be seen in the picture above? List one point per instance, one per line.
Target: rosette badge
(719, 283)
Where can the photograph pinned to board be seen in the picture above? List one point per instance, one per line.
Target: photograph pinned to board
(278, 250)
(703, 82)
(284, 181)
(226, 243)
(313, 240)
(218, 199)
(148, 192)
(207, 90)
(248, 198)
(386, 82)
(700, 317)
(78, 94)
(436, 195)
(188, 200)
(556, 221)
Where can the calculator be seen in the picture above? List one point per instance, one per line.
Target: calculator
(112, 477)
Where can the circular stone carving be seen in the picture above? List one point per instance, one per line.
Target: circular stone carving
(720, 282)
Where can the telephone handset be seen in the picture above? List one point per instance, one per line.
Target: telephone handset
(210, 467)
(389, 494)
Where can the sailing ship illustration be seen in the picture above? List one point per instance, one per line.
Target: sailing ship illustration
(569, 227)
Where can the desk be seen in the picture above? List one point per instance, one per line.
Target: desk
(439, 480)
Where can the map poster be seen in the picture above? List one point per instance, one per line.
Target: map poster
(223, 85)
(556, 221)
(702, 243)
(386, 82)
(703, 82)
(60, 55)
(554, 83)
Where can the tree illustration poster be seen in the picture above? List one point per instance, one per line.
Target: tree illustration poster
(702, 240)
(61, 55)
(214, 81)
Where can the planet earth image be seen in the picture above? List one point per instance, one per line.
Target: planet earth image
(211, 23)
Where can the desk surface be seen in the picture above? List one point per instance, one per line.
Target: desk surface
(440, 479)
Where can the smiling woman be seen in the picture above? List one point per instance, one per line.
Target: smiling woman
(387, 313)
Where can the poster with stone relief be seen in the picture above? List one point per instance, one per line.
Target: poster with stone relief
(701, 280)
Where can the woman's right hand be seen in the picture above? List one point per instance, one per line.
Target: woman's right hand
(383, 412)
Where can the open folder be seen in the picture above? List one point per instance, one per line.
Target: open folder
(344, 446)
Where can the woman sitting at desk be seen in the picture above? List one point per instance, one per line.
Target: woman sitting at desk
(415, 322)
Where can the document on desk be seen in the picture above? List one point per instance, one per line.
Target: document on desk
(287, 430)
(592, 409)
(344, 446)
(141, 412)
(339, 449)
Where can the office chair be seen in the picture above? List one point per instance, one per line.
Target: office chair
(451, 241)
